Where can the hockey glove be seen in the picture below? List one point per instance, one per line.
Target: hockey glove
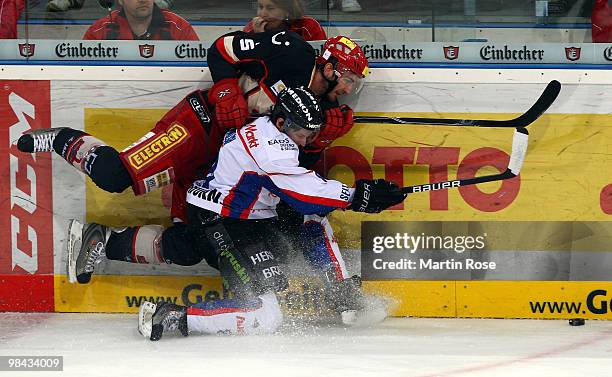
(338, 121)
(376, 196)
(231, 108)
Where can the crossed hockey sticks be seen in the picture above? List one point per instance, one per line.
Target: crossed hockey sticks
(519, 141)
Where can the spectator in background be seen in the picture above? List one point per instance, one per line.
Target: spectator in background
(64, 5)
(141, 19)
(601, 20)
(10, 10)
(348, 6)
(273, 15)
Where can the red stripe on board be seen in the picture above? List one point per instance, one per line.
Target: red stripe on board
(26, 293)
(26, 221)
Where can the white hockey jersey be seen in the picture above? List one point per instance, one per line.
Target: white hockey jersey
(256, 168)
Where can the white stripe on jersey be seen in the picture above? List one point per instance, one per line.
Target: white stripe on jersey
(228, 45)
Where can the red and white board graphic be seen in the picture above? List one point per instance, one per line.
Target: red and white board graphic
(26, 208)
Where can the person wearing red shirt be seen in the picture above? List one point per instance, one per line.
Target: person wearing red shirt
(141, 19)
(10, 10)
(601, 20)
(278, 15)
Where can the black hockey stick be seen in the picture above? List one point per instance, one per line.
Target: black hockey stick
(539, 107)
(517, 156)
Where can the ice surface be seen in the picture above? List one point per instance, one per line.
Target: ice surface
(109, 345)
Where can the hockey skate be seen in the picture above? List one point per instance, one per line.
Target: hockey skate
(85, 246)
(354, 307)
(39, 140)
(154, 319)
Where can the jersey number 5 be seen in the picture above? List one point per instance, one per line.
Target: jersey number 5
(247, 44)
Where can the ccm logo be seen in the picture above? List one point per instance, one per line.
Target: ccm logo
(26, 223)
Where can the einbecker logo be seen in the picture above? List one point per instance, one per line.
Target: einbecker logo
(451, 52)
(26, 49)
(608, 54)
(572, 53)
(146, 50)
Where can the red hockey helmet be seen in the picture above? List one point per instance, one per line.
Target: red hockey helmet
(345, 55)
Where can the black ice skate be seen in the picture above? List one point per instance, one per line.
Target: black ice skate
(346, 294)
(354, 307)
(85, 246)
(154, 319)
(346, 298)
(40, 140)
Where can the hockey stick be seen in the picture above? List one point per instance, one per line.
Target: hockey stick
(517, 156)
(539, 107)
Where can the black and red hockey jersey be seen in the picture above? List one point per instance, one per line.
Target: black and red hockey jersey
(266, 63)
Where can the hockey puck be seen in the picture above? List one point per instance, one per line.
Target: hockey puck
(576, 322)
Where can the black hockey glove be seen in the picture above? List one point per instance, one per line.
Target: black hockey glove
(376, 196)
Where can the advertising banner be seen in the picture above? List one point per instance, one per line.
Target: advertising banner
(535, 246)
(376, 52)
(549, 223)
(496, 299)
(26, 208)
(121, 294)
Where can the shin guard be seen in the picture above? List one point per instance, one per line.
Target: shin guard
(78, 148)
(141, 244)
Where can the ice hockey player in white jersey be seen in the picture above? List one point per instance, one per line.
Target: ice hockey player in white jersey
(233, 212)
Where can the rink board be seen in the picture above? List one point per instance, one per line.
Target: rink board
(475, 299)
(564, 180)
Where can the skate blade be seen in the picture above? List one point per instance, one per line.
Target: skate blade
(368, 317)
(349, 317)
(75, 232)
(145, 318)
(375, 311)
